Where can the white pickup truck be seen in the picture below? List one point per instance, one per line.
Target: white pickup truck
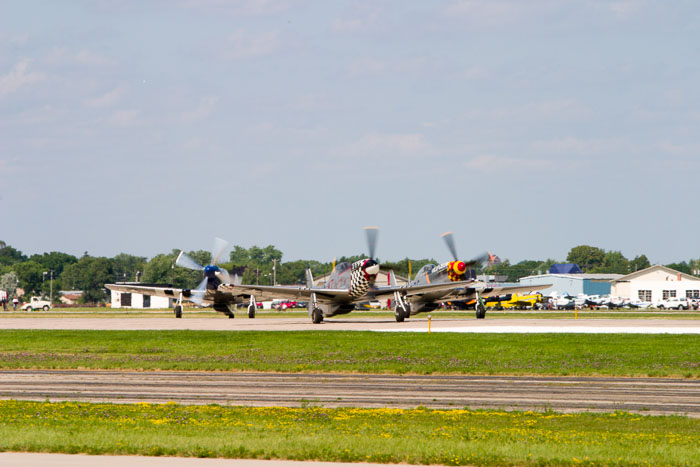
(674, 303)
(36, 303)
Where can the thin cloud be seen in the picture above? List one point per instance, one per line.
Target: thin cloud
(64, 55)
(126, 117)
(388, 145)
(18, 77)
(107, 99)
(490, 163)
(206, 107)
(239, 7)
(242, 44)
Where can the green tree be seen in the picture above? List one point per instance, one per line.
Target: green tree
(161, 269)
(89, 274)
(9, 255)
(681, 267)
(54, 261)
(639, 262)
(587, 257)
(8, 283)
(126, 266)
(30, 276)
(614, 262)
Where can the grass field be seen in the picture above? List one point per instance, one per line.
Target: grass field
(364, 352)
(455, 437)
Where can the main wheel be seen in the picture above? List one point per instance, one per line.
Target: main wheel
(46, 308)
(400, 314)
(251, 311)
(178, 311)
(480, 311)
(316, 316)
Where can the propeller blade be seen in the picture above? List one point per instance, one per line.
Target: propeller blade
(197, 295)
(225, 276)
(220, 245)
(450, 242)
(184, 260)
(237, 280)
(477, 260)
(372, 233)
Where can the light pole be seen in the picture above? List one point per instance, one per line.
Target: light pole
(51, 287)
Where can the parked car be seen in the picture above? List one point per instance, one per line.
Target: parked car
(673, 303)
(36, 303)
(282, 305)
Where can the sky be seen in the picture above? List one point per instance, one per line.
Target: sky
(527, 128)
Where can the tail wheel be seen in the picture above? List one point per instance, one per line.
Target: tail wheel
(316, 316)
(178, 311)
(400, 314)
(251, 312)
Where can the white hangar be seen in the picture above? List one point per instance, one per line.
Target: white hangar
(654, 284)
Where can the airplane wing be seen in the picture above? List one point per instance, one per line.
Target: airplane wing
(469, 292)
(442, 288)
(156, 290)
(485, 292)
(268, 292)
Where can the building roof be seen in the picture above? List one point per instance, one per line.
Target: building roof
(567, 268)
(657, 267)
(590, 276)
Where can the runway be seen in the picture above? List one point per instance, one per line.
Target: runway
(417, 324)
(563, 394)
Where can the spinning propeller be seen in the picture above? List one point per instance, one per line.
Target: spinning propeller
(371, 267)
(460, 267)
(213, 274)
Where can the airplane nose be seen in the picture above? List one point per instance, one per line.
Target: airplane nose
(371, 268)
(460, 267)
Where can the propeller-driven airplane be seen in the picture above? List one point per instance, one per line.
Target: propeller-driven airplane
(347, 285)
(455, 272)
(206, 292)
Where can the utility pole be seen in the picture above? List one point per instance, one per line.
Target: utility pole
(274, 272)
(51, 288)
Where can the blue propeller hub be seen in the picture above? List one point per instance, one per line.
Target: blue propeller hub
(211, 270)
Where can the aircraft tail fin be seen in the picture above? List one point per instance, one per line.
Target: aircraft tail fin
(392, 279)
(309, 278)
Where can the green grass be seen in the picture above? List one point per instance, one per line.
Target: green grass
(350, 351)
(414, 436)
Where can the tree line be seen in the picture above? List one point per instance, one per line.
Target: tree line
(38, 273)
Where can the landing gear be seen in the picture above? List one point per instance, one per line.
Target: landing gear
(178, 307)
(316, 316)
(252, 308)
(400, 313)
(480, 310)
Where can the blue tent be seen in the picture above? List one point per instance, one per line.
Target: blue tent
(570, 268)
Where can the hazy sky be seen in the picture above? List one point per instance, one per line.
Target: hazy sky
(526, 127)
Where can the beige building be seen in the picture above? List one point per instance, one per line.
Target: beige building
(654, 284)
